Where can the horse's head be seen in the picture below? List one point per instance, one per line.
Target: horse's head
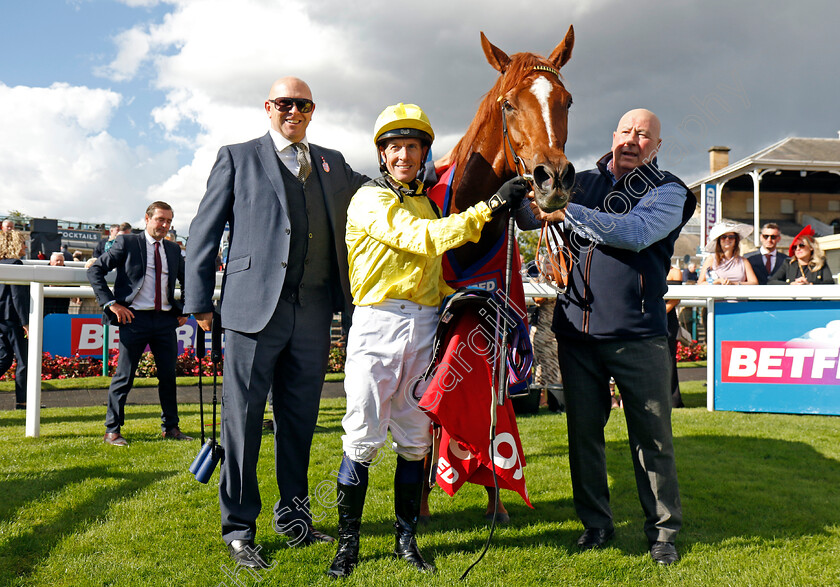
(533, 105)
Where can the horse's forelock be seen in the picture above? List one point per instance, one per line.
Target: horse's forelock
(521, 66)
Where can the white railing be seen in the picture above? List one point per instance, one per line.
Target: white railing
(60, 282)
(72, 281)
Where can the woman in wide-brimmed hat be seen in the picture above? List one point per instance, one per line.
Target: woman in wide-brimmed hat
(727, 266)
(806, 264)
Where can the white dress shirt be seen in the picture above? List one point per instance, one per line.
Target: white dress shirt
(145, 299)
(773, 258)
(283, 148)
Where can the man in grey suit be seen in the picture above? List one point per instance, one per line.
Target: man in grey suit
(276, 306)
(143, 305)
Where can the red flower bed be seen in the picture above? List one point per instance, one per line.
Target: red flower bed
(696, 351)
(72, 367)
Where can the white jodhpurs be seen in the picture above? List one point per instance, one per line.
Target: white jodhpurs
(388, 349)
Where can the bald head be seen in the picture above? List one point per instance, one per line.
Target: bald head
(290, 87)
(635, 141)
(290, 123)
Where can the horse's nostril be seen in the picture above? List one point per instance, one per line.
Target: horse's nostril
(542, 178)
(567, 177)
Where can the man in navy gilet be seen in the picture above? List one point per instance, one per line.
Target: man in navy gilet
(622, 226)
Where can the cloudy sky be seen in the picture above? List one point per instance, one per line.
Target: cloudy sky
(106, 105)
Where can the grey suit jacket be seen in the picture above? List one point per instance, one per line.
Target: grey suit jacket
(245, 188)
(128, 257)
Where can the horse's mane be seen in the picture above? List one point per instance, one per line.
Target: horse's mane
(521, 65)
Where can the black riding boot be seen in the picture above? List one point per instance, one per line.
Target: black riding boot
(351, 502)
(407, 509)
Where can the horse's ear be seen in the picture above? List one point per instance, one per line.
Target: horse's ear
(495, 56)
(563, 51)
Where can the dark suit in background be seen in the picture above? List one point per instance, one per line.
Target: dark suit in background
(286, 274)
(758, 262)
(156, 329)
(14, 315)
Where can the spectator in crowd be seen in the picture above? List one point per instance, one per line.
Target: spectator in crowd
(143, 304)
(77, 256)
(768, 257)
(611, 322)
(56, 305)
(14, 316)
(726, 266)
(65, 252)
(674, 277)
(276, 306)
(125, 228)
(689, 274)
(105, 244)
(806, 265)
(8, 225)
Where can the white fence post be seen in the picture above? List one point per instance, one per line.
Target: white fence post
(36, 344)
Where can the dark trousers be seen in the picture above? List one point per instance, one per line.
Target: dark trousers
(642, 372)
(289, 356)
(13, 345)
(673, 332)
(157, 330)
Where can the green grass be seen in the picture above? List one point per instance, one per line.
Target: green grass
(759, 493)
(104, 382)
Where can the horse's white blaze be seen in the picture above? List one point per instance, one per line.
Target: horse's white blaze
(541, 88)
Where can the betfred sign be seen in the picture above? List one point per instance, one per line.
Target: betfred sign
(86, 336)
(67, 335)
(778, 362)
(777, 356)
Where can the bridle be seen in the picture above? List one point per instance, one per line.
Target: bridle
(556, 242)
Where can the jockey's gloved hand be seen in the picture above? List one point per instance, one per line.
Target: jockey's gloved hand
(509, 196)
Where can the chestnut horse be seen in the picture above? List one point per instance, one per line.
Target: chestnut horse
(520, 127)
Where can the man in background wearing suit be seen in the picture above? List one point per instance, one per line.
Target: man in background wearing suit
(276, 306)
(767, 259)
(143, 305)
(14, 315)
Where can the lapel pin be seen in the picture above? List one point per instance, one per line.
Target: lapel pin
(325, 165)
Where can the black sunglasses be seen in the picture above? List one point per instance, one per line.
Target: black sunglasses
(304, 106)
(771, 236)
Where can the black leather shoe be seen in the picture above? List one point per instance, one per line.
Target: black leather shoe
(405, 548)
(298, 537)
(595, 538)
(245, 553)
(665, 553)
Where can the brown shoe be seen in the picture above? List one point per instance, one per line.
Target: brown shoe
(115, 439)
(176, 434)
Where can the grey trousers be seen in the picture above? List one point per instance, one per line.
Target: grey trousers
(642, 372)
(289, 357)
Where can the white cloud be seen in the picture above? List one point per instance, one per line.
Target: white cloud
(63, 163)
(133, 48)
